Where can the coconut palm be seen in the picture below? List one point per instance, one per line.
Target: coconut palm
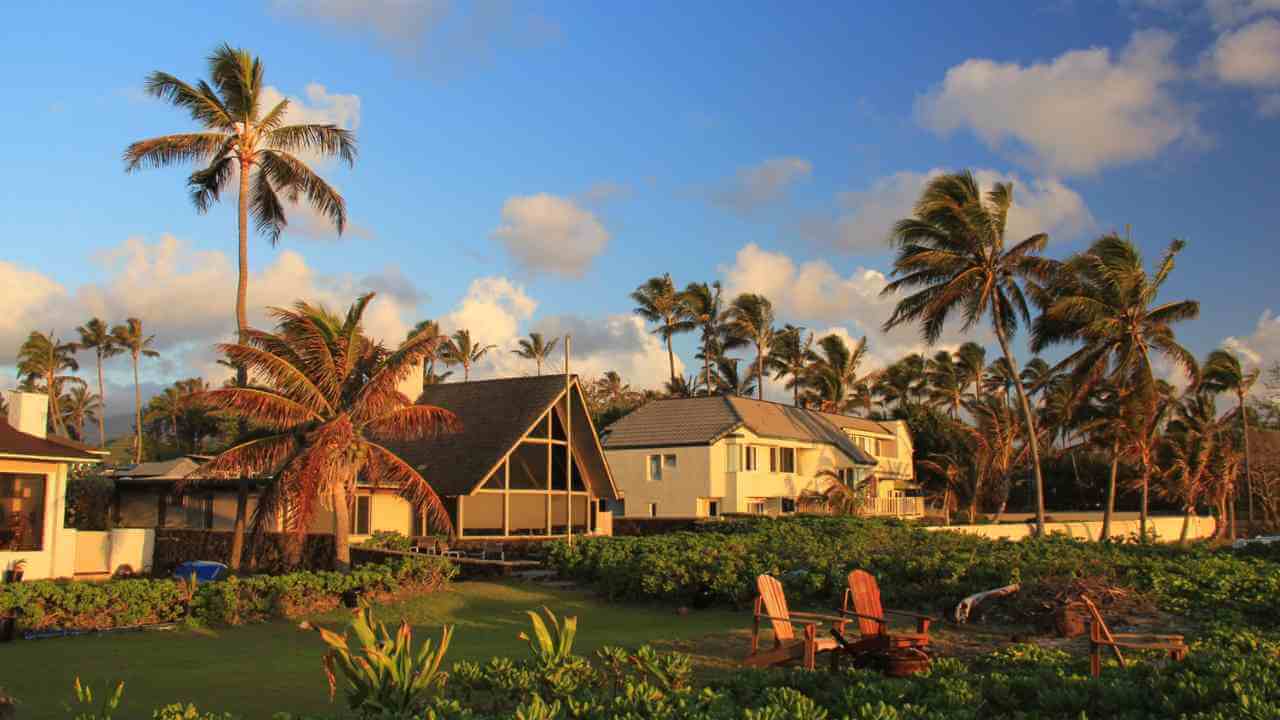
(971, 363)
(843, 497)
(838, 365)
(429, 376)
(680, 387)
(792, 357)
(1036, 376)
(536, 349)
(241, 139)
(96, 335)
(999, 378)
(460, 349)
(946, 383)
(902, 383)
(952, 254)
(327, 403)
(131, 339)
(1222, 373)
(658, 302)
(727, 380)
(705, 306)
(43, 363)
(749, 320)
(1104, 299)
(1187, 454)
(78, 406)
(613, 389)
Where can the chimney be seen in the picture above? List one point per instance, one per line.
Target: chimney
(28, 412)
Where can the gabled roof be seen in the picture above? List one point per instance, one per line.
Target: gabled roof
(176, 469)
(15, 443)
(495, 415)
(704, 420)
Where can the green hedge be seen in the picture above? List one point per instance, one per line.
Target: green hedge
(75, 605)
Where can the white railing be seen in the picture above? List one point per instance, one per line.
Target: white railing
(894, 506)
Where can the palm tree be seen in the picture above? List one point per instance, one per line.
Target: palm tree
(460, 349)
(791, 357)
(953, 250)
(946, 383)
(680, 387)
(536, 349)
(242, 139)
(1104, 299)
(749, 320)
(78, 406)
(705, 307)
(164, 410)
(658, 302)
(613, 389)
(43, 361)
(327, 404)
(727, 380)
(1188, 448)
(971, 363)
(903, 382)
(842, 496)
(96, 335)
(429, 376)
(1222, 373)
(836, 367)
(1036, 376)
(130, 338)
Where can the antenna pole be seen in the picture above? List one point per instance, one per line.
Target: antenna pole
(568, 434)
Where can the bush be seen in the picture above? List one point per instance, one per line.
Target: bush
(387, 540)
(271, 553)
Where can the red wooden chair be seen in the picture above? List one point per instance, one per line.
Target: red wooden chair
(862, 601)
(1100, 636)
(771, 605)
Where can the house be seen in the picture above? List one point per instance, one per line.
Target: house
(707, 456)
(34, 467)
(144, 496)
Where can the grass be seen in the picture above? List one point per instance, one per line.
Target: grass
(255, 670)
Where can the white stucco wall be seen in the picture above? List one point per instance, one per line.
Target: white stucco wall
(1167, 529)
(58, 545)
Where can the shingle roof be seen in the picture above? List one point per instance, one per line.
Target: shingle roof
(16, 442)
(703, 420)
(175, 469)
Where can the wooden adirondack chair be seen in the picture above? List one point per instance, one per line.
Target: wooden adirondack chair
(1100, 636)
(771, 605)
(862, 601)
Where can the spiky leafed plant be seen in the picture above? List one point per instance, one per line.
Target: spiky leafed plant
(835, 368)
(658, 302)
(242, 139)
(1104, 299)
(535, 348)
(327, 401)
(946, 383)
(727, 379)
(750, 320)
(952, 254)
(131, 339)
(1003, 447)
(705, 306)
(903, 382)
(1222, 372)
(460, 349)
(999, 378)
(429, 376)
(792, 357)
(971, 362)
(1036, 376)
(79, 405)
(96, 335)
(843, 497)
(1187, 451)
(963, 467)
(680, 387)
(44, 363)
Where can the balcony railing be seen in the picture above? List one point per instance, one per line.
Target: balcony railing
(895, 506)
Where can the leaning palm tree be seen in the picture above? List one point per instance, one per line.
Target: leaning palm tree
(44, 362)
(1104, 299)
(243, 140)
(946, 383)
(658, 302)
(327, 404)
(536, 349)
(792, 357)
(1222, 373)
(726, 379)
(1187, 449)
(96, 335)
(971, 363)
(130, 338)
(953, 254)
(460, 349)
(79, 406)
(705, 307)
(750, 320)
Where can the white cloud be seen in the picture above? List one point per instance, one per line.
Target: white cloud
(867, 217)
(318, 107)
(27, 295)
(756, 186)
(1083, 110)
(604, 192)
(621, 343)
(1262, 348)
(1229, 13)
(493, 310)
(1249, 56)
(546, 233)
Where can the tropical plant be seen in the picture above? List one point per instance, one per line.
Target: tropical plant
(946, 383)
(79, 406)
(460, 349)
(1188, 448)
(726, 379)
(1036, 376)
(844, 496)
(971, 364)
(680, 387)
(705, 306)
(429, 376)
(791, 357)
(902, 383)
(658, 302)
(96, 335)
(952, 254)
(552, 640)
(535, 348)
(834, 371)
(130, 338)
(1222, 372)
(326, 403)
(43, 363)
(999, 378)
(750, 320)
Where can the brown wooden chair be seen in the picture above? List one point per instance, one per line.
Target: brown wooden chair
(862, 601)
(1100, 636)
(771, 605)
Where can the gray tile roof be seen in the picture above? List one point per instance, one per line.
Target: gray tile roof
(175, 469)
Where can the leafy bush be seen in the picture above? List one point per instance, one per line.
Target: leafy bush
(387, 540)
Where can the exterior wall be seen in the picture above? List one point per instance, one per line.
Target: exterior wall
(745, 487)
(699, 474)
(1167, 529)
(58, 546)
(896, 472)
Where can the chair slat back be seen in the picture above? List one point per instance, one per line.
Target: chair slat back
(1100, 629)
(866, 601)
(775, 605)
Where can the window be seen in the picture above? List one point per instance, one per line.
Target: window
(708, 507)
(755, 507)
(529, 466)
(653, 509)
(786, 460)
(21, 512)
(749, 462)
(200, 513)
(360, 514)
(788, 505)
(773, 459)
(655, 467)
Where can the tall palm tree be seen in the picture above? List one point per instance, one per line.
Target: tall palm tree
(953, 254)
(460, 349)
(903, 382)
(1188, 448)
(971, 361)
(705, 306)
(79, 405)
(130, 338)
(792, 357)
(1036, 376)
(1104, 299)
(429, 376)
(840, 363)
(750, 320)
(946, 383)
(164, 411)
(999, 378)
(658, 302)
(726, 379)
(96, 335)
(242, 139)
(1222, 373)
(536, 349)
(44, 362)
(327, 404)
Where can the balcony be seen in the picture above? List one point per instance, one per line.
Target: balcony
(894, 507)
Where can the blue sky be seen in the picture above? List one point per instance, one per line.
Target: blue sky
(762, 144)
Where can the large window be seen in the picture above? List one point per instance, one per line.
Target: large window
(360, 511)
(529, 466)
(782, 459)
(750, 458)
(661, 467)
(21, 512)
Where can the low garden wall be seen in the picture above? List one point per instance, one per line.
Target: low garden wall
(633, 526)
(1166, 529)
(270, 554)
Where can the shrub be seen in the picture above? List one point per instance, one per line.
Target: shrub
(387, 540)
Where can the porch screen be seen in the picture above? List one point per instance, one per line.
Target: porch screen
(528, 514)
(21, 512)
(482, 514)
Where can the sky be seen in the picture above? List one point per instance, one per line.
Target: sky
(524, 166)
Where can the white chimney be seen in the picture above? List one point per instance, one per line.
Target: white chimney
(28, 412)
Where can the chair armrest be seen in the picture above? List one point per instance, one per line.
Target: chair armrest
(851, 613)
(904, 613)
(818, 616)
(790, 620)
(1142, 637)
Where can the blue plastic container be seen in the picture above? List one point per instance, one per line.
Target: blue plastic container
(204, 571)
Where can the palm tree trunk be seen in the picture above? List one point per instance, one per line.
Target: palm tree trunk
(102, 397)
(341, 531)
(706, 367)
(242, 374)
(1146, 496)
(1109, 511)
(759, 371)
(1030, 419)
(539, 362)
(1248, 482)
(1186, 526)
(671, 358)
(137, 412)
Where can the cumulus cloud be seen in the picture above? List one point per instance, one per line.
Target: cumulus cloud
(1229, 13)
(1083, 110)
(492, 309)
(1249, 56)
(621, 343)
(318, 106)
(757, 186)
(546, 233)
(1261, 349)
(866, 218)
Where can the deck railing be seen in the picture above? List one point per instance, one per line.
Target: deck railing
(895, 506)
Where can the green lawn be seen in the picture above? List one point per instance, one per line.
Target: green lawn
(255, 670)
